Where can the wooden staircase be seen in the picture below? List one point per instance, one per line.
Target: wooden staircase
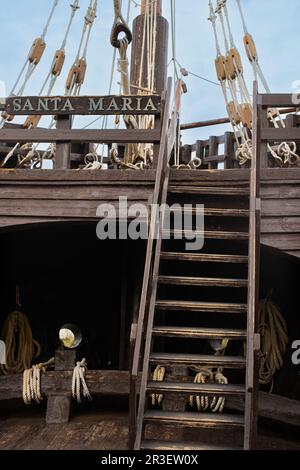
(180, 313)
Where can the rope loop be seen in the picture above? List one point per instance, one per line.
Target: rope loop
(120, 26)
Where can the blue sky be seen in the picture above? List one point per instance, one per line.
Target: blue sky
(273, 23)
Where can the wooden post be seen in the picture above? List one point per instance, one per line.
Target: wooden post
(59, 403)
(161, 59)
(63, 149)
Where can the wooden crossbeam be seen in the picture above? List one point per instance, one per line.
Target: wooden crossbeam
(88, 136)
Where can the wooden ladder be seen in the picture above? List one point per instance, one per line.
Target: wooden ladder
(232, 215)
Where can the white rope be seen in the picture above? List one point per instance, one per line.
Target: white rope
(158, 376)
(79, 386)
(32, 382)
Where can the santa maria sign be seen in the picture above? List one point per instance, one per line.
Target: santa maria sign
(84, 105)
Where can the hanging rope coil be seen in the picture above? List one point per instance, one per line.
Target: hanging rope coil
(79, 386)
(274, 337)
(21, 347)
(120, 26)
(32, 382)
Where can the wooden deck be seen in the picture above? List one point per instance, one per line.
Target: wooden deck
(108, 430)
(28, 197)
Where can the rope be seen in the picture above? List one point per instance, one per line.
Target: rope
(79, 386)
(32, 382)
(158, 376)
(273, 331)
(21, 347)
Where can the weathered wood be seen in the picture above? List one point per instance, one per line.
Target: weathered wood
(280, 135)
(62, 154)
(108, 136)
(281, 224)
(277, 100)
(99, 382)
(59, 402)
(84, 105)
(252, 348)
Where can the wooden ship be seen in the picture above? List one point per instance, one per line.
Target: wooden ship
(173, 338)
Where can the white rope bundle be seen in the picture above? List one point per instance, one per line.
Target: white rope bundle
(204, 403)
(32, 382)
(79, 386)
(158, 376)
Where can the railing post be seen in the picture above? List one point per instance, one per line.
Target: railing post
(63, 149)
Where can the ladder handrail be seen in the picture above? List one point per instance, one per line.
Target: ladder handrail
(169, 135)
(150, 243)
(253, 281)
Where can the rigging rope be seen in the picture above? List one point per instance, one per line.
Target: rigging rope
(34, 57)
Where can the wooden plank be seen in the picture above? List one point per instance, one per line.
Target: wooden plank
(78, 192)
(280, 135)
(282, 241)
(84, 105)
(281, 191)
(277, 100)
(108, 136)
(281, 224)
(283, 207)
(118, 176)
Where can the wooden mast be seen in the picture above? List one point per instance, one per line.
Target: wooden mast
(161, 59)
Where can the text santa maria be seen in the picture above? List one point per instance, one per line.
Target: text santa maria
(98, 105)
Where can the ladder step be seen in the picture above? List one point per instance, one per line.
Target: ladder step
(195, 389)
(212, 235)
(213, 190)
(207, 420)
(200, 306)
(188, 446)
(169, 359)
(201, 333)
(204, 258)
(213, 212)
(202, 281)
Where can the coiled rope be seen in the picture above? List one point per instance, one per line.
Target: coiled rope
(32, 382)
(274, 337)
(21, 347)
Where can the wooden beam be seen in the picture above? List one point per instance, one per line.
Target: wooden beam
(280, 135)
(220, 121)
(99, 382)
(281, 100)
(125, 136)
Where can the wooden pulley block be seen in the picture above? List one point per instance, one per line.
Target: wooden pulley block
(250, 47)
(32, 122)
(59, 61)
(220, 67)
(230, 68)
(37, 50)
(82, 66)
(233, 113)
(236, 58)
(246, 115)
(184, 87)
(7, 117)
(73, 73)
